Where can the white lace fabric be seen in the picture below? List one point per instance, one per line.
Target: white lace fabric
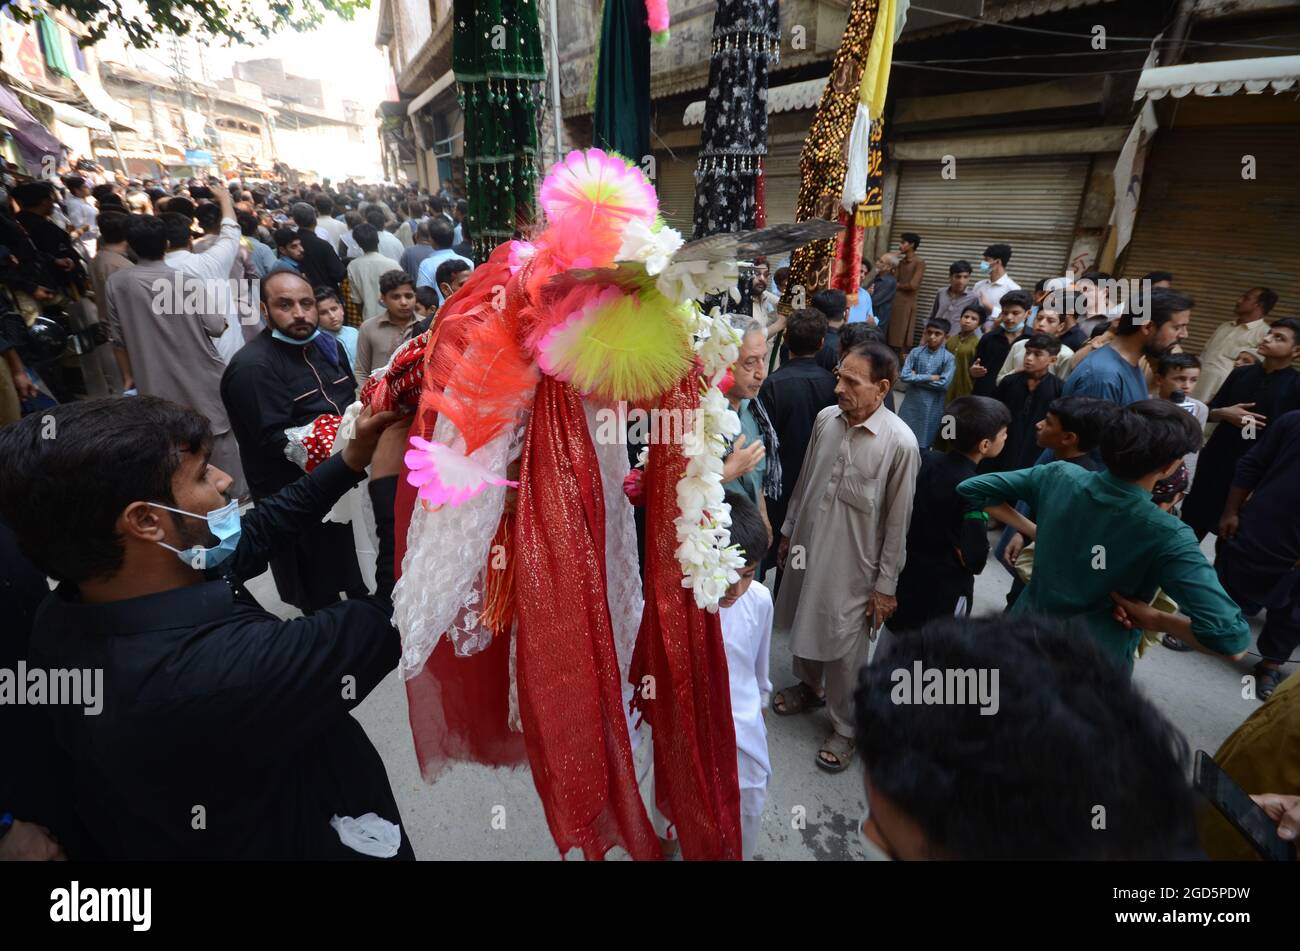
(295, 450)
(447, 557)
(622, 576)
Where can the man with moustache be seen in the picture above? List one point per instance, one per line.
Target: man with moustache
(1114, 372)
(843, 542)
(283, 392)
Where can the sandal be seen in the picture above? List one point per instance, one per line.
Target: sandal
(1174, 644)
(1266, 680)
(836, 753)
(797, 699)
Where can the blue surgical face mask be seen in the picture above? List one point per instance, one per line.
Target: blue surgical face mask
(223, 523)
(1014, 328)
(276, 333)
(984, 266)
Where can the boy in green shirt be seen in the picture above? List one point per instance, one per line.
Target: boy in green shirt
(1098, 533)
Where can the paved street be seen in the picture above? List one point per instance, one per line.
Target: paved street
(452, 819)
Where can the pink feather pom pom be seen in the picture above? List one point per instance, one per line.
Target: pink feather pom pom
(593, 188)
(445, 476)
(657, 14)
(520, 253)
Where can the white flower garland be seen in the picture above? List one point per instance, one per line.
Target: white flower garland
(709, 561)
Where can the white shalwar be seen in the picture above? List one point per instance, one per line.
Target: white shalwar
(747, 637)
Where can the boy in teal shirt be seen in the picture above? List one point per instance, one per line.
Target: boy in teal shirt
(1098, 533)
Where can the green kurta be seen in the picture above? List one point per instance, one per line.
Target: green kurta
(750, 484)
(963, 349)
(1098, 534)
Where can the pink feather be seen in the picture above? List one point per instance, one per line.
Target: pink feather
(445, 476)
(657, 14)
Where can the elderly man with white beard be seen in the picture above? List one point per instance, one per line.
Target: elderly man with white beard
(843, 542)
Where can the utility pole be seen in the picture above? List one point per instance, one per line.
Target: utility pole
(555, 81)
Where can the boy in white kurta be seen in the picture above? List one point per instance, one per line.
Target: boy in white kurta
(746, 615)
(745, 610)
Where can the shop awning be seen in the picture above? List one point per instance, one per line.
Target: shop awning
(430, 94)
(118, 113)
(788, 98)
(139, 154)
(71, 115)
(34, 140)
(1253, 76)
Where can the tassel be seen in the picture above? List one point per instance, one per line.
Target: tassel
(868, 217)
(499, 592)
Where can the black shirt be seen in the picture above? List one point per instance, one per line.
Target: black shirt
(54, 243)
(882, 291)
(1074, 338)
(1273, 394)
(828, 357)
(1268, 537)
(271, 386)
(210, 701)
(35, 775)
(1028, 407)
(793, 396)
(320, 264)
(992, 352)
(945, 549)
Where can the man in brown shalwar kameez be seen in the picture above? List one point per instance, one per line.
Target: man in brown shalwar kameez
(910, 272)
(843, 542)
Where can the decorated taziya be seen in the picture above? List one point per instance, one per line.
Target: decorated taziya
(618, 320)
(520, 602)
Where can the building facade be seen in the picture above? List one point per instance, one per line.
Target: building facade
(57, 83)
(421, 129)
(1004, 123)
(185, 130)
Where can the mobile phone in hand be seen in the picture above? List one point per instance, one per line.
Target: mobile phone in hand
(1238, 808)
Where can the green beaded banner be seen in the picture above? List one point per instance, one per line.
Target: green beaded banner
(497, 58)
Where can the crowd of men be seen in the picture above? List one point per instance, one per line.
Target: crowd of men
(1059, 430)
(1067, 432)
(63, 241)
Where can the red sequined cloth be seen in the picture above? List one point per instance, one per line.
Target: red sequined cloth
(687, 701)
(570, 691)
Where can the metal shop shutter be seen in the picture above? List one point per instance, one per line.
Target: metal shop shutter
(781, 181)
(1217, 233)
(675, 185)
(1030, 204)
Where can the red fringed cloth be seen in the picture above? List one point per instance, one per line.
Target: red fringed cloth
(846, 259)
(687, 700)
(570, 691)
(458, 707)
(570, 695)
